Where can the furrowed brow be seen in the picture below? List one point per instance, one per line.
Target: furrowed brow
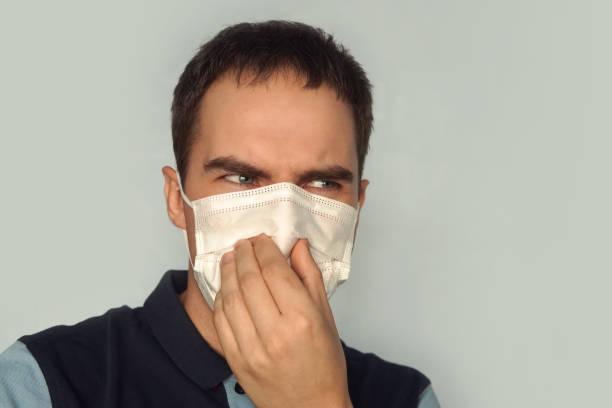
(231, 164)
(333, 173)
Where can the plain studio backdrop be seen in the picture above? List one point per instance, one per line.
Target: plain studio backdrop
(483, 253)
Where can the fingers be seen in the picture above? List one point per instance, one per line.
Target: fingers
(255, 293)
(224, 331)
(284, 285)
(306, 268)
(233, 307)
(304, 265)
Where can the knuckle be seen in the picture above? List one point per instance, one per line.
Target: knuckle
(249, 280)
(258, 361)
(276, 346)
(290, 281)
(302, 324)
(272, 269)
(232, 300)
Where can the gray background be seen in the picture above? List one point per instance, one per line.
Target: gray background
(483, 255)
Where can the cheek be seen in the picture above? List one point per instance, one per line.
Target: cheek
(349, 196)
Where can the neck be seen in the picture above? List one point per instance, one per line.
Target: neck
(200, 313)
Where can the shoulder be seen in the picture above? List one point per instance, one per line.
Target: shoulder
(87, 338)
(114, 320)
(373, 381)
(21, 381)
(75, 359)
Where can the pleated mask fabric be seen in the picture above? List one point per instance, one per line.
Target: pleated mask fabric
(283, 211)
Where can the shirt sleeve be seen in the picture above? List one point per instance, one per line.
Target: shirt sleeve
(428, 399)
(22, 383)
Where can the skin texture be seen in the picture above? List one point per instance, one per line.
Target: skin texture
(271, 322)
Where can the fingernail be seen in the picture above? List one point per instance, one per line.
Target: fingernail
(227, 257)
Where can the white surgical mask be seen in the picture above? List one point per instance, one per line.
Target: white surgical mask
(283, 211)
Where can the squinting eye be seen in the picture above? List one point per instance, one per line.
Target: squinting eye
(240, 179)
(322, 184)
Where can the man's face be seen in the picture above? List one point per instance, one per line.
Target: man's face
(250, 136)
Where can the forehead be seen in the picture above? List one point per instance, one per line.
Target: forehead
(276, 119)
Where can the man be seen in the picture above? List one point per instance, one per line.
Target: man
(270, 126)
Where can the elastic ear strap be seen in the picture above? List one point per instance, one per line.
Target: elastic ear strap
(182, 192)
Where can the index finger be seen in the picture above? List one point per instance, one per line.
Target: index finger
(256, 295)
(285, 286)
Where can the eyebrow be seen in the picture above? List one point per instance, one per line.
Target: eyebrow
(231, 164)
(333, 173)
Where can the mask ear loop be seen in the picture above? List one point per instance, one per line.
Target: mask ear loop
(178, 176)
(188, 202)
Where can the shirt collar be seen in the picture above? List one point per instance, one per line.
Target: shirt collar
(174, 330)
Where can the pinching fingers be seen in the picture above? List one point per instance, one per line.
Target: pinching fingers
(234, 308)
(285, 286)
(255, 292)
(224, 331)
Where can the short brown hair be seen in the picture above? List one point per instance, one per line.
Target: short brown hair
(264, 49)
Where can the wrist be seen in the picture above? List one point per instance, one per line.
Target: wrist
(333, 402)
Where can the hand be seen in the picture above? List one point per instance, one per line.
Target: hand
(276, 327)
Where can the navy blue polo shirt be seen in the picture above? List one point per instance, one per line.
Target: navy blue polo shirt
(153, 356)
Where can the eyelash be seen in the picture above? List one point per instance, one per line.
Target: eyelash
(334, 185)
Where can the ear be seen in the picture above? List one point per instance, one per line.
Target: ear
(174, 201)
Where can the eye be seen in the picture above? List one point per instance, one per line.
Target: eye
(323, 184)
(240, 179)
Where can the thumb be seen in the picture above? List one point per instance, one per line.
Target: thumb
(306, 268)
